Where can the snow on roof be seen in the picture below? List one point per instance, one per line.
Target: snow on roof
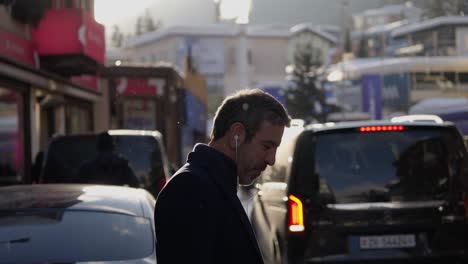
(428, 24)
(357, 67)
(314, 29)
(385, 28)
(273, 30)
(388, 9)
(329, 28)
(216, 30)
(440, 106)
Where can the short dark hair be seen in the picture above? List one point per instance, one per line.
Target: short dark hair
(105, 142)
(250, 107)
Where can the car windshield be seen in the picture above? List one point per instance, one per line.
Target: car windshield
(407, 165)
(67, 154)
(73, 236)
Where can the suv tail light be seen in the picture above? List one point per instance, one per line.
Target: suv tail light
(381, 128)
(296, 214)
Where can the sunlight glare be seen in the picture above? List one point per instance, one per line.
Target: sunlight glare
(239, 9)
(109, 12)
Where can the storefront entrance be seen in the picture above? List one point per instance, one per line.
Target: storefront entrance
(12, 152)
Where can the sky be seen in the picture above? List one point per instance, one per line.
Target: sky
(236, 8)
(124, 13)
(110, 12)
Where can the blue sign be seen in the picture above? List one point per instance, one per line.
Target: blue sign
(372, 96)
(196, 115)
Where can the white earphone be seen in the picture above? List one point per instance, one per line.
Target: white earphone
(236, 138)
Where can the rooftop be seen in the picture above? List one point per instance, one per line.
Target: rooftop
(215, 30)
(307, 27)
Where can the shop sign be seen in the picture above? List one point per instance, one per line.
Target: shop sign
(372, 95)
(17, 48)
(70, 32)
(195, 113)
(139, 114)
(140, 86)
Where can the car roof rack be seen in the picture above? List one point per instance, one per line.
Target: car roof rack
(418, 118)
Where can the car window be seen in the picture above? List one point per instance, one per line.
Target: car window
(70, 236)
(414, 164)
(67, 154)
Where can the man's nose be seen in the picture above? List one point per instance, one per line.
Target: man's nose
(270, 158)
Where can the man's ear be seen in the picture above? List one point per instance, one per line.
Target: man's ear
(236, 134)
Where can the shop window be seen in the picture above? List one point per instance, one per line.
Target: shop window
(11, 138)
(78, 119)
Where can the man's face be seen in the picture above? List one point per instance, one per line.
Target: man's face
(254, 156)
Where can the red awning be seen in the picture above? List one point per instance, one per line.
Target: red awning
(70, 32)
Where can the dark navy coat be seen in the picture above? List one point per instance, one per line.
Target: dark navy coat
(198, 216)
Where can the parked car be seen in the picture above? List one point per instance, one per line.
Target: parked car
(144, 151)
(364, 191)
(68, 223)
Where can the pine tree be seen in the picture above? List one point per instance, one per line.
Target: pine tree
(437, 8)
(139, 26)
(148, 22)
(304, 98)
(117, 37)
(145, 23)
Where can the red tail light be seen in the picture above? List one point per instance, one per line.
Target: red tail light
(381, 128)
(296, 214)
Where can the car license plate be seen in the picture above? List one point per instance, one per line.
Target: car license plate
(387, 241)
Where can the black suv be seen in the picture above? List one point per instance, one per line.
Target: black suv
(144, 151)
(365, 191)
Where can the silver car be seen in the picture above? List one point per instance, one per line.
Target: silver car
(68, 223)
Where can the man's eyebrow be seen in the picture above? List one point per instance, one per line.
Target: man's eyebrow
(270, 142)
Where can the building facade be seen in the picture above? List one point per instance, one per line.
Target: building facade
(385, 15)
(229, 56)
(46, 88)
(442, 36)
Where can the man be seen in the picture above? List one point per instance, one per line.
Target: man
(198, 216)
(107, 167)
